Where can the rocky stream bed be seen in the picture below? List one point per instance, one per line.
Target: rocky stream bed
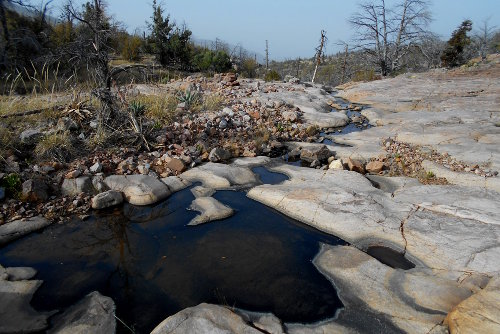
(392, 229)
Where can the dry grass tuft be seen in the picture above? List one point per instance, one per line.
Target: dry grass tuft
(159, 108)
(213, 102)
(56, 146)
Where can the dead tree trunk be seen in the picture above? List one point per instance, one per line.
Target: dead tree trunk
(319, 53)
(344, 66)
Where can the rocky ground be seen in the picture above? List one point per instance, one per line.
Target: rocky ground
(422, 181)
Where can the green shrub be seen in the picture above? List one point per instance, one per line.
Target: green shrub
(12, 184)
(131, 47)
(212, 61)
(272, 76)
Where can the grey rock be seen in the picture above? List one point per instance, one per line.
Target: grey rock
(266, 322)
(220, 176)
(107, 199)
(93, 314)
(67, 124)
(223, 124)
(31, 136)
(320, 153)
(73, 187)
(35, 190)
(18, 228)
(20, 273)
(205, 318)
(392, 184)
(219, 154)
(98, 184)
(200, 191)
(478, 314)
(175, 183)
(16, 313)
(210, 209)
(410, 301)
(228, 112)
(138, 189)
(96, 168)
(347, 205)
(291, 116)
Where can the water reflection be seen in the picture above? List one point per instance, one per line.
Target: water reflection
(258, 260)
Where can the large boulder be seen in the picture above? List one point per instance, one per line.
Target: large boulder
(93, 314)
(138, 189)
(205, 318)
(18, 228)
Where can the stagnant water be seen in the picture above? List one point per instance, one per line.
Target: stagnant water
(153, 265)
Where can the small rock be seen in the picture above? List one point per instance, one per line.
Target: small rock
(228, 112)
(73, 174)
(66, 123)
(315, 164)
(176, 165)
(107, 199)
(35, 191)
(98, 183)
(223, 124)
(96, 168)
(290, 116)
(30, 136)
(219, 154)
(374, 167)
(320, 153)
(144, 169)
(93, 124)
(20, 273)
(73, 187)
(355, 166)
(336, 165)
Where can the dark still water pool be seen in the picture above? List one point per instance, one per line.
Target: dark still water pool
(153, 265)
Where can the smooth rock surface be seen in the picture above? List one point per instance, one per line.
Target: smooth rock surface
(20, 273)
(138, 189)
(203, 319)
(347, 205)
(393, 299)
(479, 313)
(93, 314)
(219, 176)
(210, 209)
(16, 313)
(18, 228)
(175, 183)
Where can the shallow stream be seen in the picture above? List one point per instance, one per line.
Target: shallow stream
(153, 265)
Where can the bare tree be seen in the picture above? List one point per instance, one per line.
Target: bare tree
(94, 49)
(319, 53)
(484, 37)
(388, 34)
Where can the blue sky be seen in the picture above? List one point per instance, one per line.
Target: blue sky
(291, 26)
